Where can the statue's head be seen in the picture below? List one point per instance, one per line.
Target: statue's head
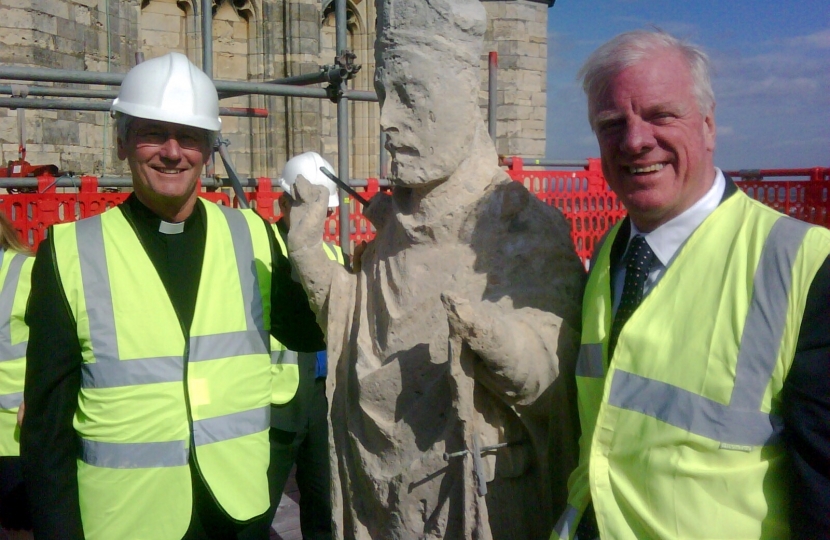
(427, 79)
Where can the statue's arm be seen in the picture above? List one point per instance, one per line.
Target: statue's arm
(517, 350)
(305, 245)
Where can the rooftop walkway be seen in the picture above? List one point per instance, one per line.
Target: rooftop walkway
(286, 524)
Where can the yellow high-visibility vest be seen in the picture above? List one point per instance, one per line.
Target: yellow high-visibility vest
(153, 394)
(15, 283)
(681, 428)
(285, 370)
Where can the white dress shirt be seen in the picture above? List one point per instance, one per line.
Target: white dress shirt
(667, 239)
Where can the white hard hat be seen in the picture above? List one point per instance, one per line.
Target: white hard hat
(171, 89)
(308, 164)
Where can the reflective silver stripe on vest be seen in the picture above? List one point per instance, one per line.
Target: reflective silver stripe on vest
(231, 426)
(227, 345)
(567, 522)
(129, 372)
(11, 401)
(590, 363)
(692, 412)
(741, 422)
(285, 358)
(134, 455)
(767, 316)
(97, 292)
(108, 371)
(248, 277)
(7, 350)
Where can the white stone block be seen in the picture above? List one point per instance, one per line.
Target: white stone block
(16, 19)
(156, 22)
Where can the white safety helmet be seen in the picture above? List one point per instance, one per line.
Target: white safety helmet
(308, 164)
(170, 88)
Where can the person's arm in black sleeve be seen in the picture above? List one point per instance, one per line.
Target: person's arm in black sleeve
(293, 322)
(48, 443)
(806, 403)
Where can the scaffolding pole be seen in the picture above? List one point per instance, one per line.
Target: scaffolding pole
(207, 37)
(104, 106)
(343, 129)
(120, 182)
(20, 73)
(493, 96)
(337, 76)
(543, 162)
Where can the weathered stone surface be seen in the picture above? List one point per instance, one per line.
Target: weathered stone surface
(262, 43)
(48, 7)
(16, 19)
(517, 30)
(60, 132)
(458, 330)
(8, 130)
(162, 22)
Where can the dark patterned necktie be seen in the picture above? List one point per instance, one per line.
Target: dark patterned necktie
(638, 263)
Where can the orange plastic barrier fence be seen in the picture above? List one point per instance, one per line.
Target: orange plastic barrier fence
(805, 200)
(582, 196)
(32, 213)
(591, 207)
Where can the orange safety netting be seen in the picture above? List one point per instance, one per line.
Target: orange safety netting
(582, 196)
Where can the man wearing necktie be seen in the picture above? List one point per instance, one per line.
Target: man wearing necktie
(704, 368)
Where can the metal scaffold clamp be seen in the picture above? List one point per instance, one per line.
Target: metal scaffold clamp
(343, 70)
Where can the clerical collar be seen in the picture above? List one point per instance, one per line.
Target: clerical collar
(152, 223)
(165, 227)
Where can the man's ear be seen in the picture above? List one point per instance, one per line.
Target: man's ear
(122, 152)
(710, 130)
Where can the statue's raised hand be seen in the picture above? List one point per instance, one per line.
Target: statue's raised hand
(309, 204)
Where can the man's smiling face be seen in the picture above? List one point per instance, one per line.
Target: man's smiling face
(166, 161)
(656, 146)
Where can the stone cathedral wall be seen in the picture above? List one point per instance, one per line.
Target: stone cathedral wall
(252, 40)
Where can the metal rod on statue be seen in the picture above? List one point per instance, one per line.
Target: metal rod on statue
(345, 187)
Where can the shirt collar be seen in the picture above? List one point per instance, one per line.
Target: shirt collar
(666, 239)
(145, 218)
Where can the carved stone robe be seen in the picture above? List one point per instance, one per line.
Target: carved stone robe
(403, 392)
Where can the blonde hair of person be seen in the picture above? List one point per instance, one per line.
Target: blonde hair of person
(9, 239)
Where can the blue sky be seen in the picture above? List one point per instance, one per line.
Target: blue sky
(771, 62)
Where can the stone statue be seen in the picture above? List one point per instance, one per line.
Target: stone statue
(452, 350)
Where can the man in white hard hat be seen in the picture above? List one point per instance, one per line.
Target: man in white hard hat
(299, 428)
(148, 378)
